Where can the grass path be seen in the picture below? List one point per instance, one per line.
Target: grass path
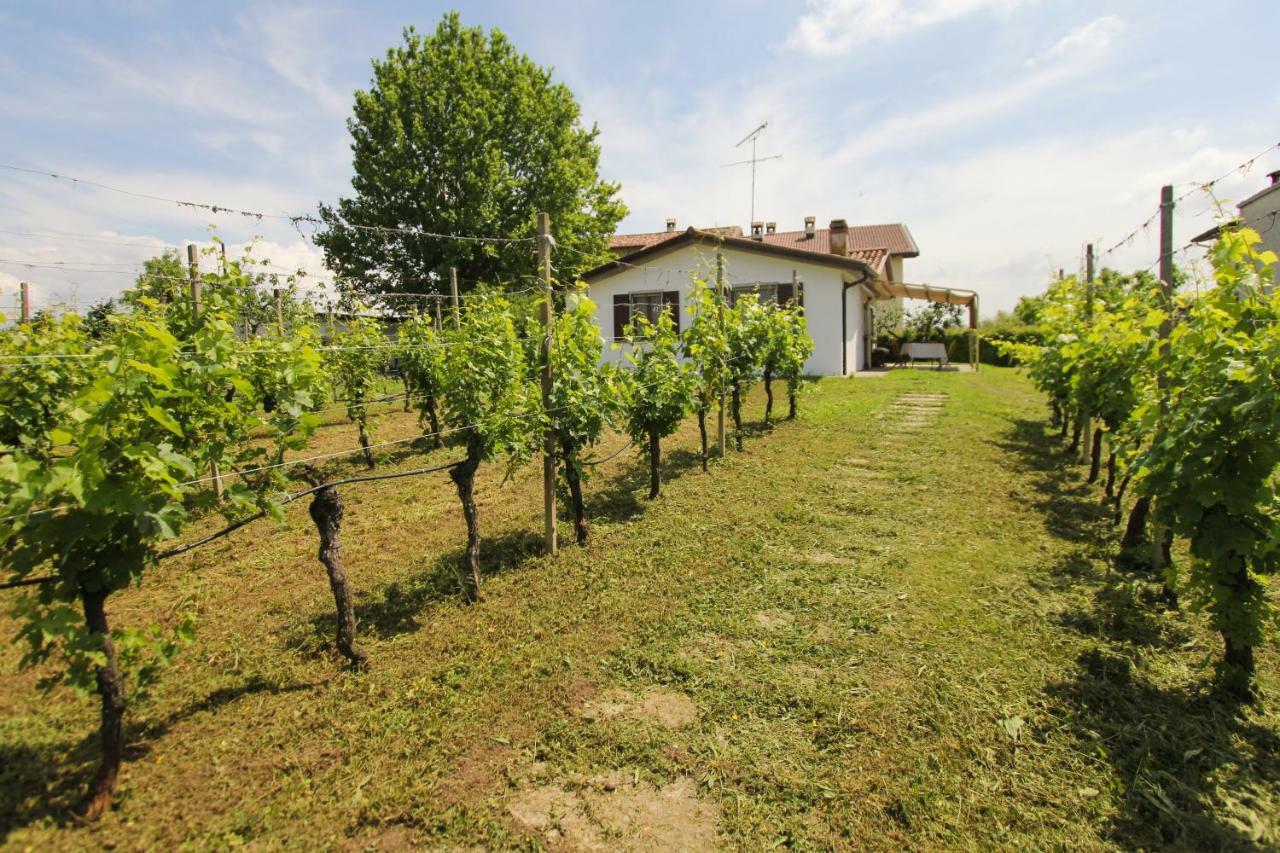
(889, 624)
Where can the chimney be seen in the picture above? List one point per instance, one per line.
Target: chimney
(810, 223)
(1275, 177)
(671, 225)
(757, 230)
(771, 228)
(839, 238)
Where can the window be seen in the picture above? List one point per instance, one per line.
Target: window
(769, 292)
(649, 303)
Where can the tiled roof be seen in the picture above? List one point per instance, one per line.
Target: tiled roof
(869, 243)
(652, 238)
(894, 239)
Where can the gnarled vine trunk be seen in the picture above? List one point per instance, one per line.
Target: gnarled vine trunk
(1076, 429)
(1056, 417)
(1064, 425)
(574, 479)
(768, 396)
(737, 413)
(326, 512)
(1111, 475)
(364, 441)
(433, 418)
(702, 433)
(111, 689)
(791, 403)
(464, 477)
(408, 397)
(1135, 532)
(1119, 499)
(655, 457)
(1095, 457)
(1238, 667)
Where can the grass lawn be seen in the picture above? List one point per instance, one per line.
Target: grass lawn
(895, 622)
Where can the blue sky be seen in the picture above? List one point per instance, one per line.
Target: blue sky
(1005, 133)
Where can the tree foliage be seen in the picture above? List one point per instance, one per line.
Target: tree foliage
(461, 134)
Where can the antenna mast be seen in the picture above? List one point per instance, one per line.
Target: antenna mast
(752, 137)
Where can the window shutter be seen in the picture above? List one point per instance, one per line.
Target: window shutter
(671, 300)
(621, 313)
(785, 294)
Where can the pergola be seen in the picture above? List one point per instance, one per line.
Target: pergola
(885, 289)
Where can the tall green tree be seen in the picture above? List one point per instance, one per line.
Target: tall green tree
(461, 134)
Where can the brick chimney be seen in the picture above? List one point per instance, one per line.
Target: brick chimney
(671, 225)
(771, 228)
(840, 238)
(757, 230)
(1275, 177)
(810, 226)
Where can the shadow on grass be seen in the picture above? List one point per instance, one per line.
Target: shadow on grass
(1188, 760)
(621, 496)
(47, 783)
(1176, 753)
(397, 608)
(43, 783)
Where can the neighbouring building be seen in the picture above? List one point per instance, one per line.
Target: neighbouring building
(1259, 212)
(840, 274)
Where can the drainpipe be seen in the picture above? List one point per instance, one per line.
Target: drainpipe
(844, 323)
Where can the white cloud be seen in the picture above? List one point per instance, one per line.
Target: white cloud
(834, 27)
(1089, 39)
(293, 43)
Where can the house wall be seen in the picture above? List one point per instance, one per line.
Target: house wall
(822, 297)
(1263, 216)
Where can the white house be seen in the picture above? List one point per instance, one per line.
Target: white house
(1260, 212)
(839, 274)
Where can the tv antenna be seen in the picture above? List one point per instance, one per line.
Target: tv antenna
(752, 137)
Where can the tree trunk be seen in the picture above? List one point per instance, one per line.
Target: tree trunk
(1076, 429)
(574, 480)
(1111, 475)
(326, 512)
(433, 418)
(737, 414)
(111, 689)
(791, 400)
(655, 456)
(464, 477)
(702, 432)
(1095, 457)
(768, 396)
(1136, 531)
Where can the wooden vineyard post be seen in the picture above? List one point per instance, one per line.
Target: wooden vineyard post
(1086, 446)
(548, 439)
(1166, 327)
(439, 325)
(193, 271)
(275, 296)
(25, 289)
(453, 290)
(720, 431)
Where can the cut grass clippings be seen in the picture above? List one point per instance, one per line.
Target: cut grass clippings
(858, 632)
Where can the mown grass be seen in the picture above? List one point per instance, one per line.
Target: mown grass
(893, 637)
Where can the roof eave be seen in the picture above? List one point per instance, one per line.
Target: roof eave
(693, 236)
